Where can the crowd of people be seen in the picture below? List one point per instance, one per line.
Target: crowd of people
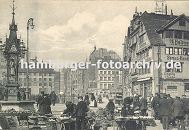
(44, 102)
(171, 111)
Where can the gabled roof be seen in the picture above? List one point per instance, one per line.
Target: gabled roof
(173, 21)
(152, 22)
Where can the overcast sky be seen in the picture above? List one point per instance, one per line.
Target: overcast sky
(68, 30)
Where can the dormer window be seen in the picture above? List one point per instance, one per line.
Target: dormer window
(182, 22)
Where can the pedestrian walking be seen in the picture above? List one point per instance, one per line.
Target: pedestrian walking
(165, 107)
(100, 98)
(19, 96)
(185, 101)
(53, 97)
(70, 111)
(110, 108)
(143, 106)
(47, 104)
(155, 105)
(81, 112)
(23, 95)
(178, 112)
(40, 103)
(86, 99)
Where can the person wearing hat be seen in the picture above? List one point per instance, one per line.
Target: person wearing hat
(110, 108)
(165, 107)
(178, 111)
(80, 113)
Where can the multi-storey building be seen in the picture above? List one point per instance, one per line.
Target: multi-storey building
(73, 83)
(40, 79)
(57, 82)
(158, 38)
(103, 80)
(109, 80)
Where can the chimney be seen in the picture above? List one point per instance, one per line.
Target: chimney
(171, 13)
(165, 9)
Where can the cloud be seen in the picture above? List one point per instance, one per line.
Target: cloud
(75, 40)
(68, 41)
(111, 33)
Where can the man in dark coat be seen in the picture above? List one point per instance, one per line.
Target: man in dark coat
(70, 111)
(155, 105)
(81, 112)
(185, 101)
(110, 108)
(53, 98)
(47, 104)
(143, 106)
(178, 111)
(40, 101)
(86, 99)
(44, 104)
(165, 108)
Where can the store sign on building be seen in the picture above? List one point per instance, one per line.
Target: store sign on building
(169, 75)
(178, 42)
(178, 58)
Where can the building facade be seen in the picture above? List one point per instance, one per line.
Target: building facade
(157, 38)
(40, 79)
(73, 83)
(103, 80)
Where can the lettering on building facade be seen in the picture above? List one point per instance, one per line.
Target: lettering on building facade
(169, 75)
(183, 58)
(178, 42)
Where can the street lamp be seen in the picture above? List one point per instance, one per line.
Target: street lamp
(29, 24)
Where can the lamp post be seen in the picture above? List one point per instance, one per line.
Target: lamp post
(29, 24)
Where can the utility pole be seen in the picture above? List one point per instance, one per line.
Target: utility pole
(159, 69)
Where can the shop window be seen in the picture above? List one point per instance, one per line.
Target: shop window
(182, 22)
(172, 88)
(186, 87)
(168, 50)
(180, 51)
(176, 51)
(178, 34)
(168, 34)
